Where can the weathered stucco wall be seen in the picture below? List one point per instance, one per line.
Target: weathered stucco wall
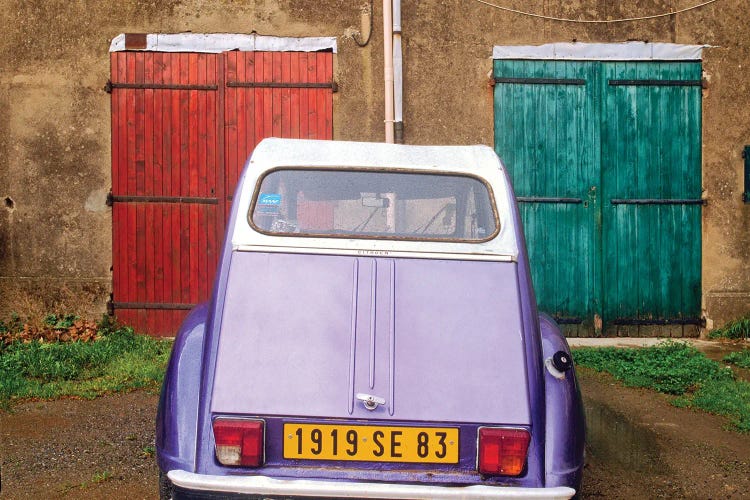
(55, 230)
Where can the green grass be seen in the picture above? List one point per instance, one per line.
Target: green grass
(739, 358)
(737, 329)
(678, 369)
(119, 361)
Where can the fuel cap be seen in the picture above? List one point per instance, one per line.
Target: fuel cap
(562, 361)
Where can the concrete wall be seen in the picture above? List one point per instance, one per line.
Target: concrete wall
(55, 230)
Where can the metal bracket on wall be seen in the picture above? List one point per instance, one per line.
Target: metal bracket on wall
(649, 201)
(110, 85)
(540, 81)
(285, 85)
(657, 83)
(112, 199)
(111, 306)
(545, 199)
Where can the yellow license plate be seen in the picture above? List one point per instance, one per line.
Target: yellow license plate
(371, 443)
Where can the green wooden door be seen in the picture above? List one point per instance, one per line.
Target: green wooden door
(605, 160)
(651, 181)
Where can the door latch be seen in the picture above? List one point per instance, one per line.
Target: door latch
(371, 402)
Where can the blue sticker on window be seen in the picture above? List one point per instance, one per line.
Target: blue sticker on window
(269, 199)
(268, 203)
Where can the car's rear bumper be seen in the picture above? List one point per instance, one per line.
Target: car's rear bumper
(188, 484)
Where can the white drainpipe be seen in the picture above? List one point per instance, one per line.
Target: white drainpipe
(388, 68)
(398, 76)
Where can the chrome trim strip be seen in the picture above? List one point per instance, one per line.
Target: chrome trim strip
(262, 485)
(373, 311)
(353, 340)
(392, 337)
(377, 253)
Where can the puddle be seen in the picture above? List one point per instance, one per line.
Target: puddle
(615, 441)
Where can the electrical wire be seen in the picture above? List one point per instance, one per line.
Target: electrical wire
(369, 35)
(562, 19)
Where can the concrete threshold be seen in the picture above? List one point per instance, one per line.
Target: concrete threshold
(641, 342)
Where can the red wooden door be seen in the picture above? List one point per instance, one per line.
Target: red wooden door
(182, 126)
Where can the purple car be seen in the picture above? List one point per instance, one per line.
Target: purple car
(373, 333)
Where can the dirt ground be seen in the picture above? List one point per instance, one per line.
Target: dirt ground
(639, 447)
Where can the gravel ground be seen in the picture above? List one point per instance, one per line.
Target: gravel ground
(639, 447)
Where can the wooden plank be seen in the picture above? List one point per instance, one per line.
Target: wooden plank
(192, 126)
(184, 244)
(259, 98)
(329, 97)
(231, 117)
(242, 145)
(312, 101)
(140, 119)
(132, 262)
(203, 176)
(141, 259)
(285, 108)
(220, 143)
(176, 141)
(157, 182)
(148, 176)
(250, 109)
(304, 130)
(195, 168)
(184, 178)
(194, 242)
(166, 187)
(202, 117)
(324, 96)
(277, 111)
(294, 96)
(268, 124)
(149, 281)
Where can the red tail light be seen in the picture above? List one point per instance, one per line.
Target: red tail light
(239, 442)
(503, 451)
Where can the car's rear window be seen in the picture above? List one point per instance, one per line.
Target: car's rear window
(374, 204)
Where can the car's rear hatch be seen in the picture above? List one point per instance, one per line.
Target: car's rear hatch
(437, 344)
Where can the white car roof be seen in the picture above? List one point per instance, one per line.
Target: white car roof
(480, 161)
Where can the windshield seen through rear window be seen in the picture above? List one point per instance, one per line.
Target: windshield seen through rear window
(374, 204)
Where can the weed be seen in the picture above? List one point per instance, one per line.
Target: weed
(13, 325)
(148, 451)
(739, 358)
(120, 360)
(100, 477)
(59, 322)
(670, 367)
(678, 369)
(737, 329)
(724, 397)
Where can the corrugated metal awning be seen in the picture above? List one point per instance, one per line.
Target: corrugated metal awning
(626, 51)
(225, 42)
